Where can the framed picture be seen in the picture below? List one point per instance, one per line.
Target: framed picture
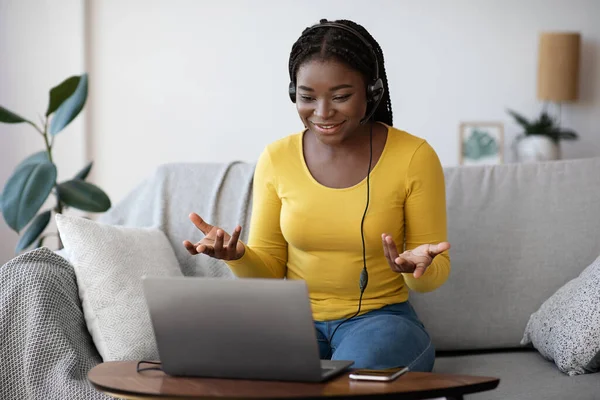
(481, 143)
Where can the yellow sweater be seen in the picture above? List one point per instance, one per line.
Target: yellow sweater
(301, 229)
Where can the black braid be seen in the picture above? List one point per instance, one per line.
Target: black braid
(327, 43)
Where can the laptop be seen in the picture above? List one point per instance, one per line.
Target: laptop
(245, 328)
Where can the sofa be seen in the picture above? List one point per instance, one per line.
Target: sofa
(519, 233)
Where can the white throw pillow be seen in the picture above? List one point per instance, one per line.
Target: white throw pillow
(566, 328)
(109, 262)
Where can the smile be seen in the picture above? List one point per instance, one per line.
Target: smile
(328, 128)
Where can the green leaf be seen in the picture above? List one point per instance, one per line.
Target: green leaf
(81, 175)
(35, 158)
(40, 241)
(26, 191)
(567, 135)
(39, 223)
(9, 117)
(521, 120)
(62, 92)
(83, 196)
(546, 122)
(70, 108)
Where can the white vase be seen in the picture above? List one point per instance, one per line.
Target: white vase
(534, 148)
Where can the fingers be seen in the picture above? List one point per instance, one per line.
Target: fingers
(435, 249)
(218, 244)
(416, 261)
(395, 261)
(204, 249)
(386, 251)
(190, 247)
(218, 247)
(232, 245)
(198, 248)
(200, 223)
(405, 262)
(390, 246)
(419, 271)
(392, 249)
(432, 251)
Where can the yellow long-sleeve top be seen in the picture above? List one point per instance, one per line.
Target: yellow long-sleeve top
(301, 229)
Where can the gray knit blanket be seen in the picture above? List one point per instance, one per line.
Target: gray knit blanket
(46, 350)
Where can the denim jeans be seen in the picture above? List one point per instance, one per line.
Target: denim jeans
(389, 337)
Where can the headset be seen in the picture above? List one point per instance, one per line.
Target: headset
(375, 87)
(375, 91)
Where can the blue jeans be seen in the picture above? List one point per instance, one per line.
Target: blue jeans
(389, 337)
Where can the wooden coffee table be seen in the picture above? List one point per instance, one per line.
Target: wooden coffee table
(120, 379)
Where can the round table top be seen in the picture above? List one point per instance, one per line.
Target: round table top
(120, 379)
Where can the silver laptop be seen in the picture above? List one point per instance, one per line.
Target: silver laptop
(236, 328)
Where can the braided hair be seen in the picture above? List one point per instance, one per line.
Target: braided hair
(330, 42)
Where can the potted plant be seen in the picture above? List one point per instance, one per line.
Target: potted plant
(35, 178)
(540, 139)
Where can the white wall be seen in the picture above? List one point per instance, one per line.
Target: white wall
(189, 80)
(41, 44)
(193, 80)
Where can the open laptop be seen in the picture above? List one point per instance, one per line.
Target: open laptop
(236, 328)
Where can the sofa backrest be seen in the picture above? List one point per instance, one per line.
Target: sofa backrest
(518, 233)
(219, 192)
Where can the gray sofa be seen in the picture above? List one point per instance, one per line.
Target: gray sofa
(518, 231)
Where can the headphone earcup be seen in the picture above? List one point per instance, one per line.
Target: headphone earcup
(375, 92)
(292, 92)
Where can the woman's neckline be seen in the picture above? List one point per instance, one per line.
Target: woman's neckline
(358, 184)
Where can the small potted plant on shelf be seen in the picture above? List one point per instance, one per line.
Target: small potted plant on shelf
(540, 139)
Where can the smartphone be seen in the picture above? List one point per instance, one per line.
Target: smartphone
(381, 375)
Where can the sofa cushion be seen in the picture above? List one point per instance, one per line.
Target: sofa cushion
(566, 328)
(109, 262)
(518, 233)
(523, 376)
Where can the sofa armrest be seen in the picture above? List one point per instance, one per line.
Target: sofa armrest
(46, 350)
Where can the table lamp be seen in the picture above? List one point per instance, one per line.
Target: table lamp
(557, 82)
(558, 67)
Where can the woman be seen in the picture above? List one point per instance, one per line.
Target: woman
(338, 199)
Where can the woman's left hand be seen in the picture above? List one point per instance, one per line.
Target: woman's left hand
(415, 261)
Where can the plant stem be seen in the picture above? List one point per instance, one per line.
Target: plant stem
(47, 143)
(36, 127)
(59, 206)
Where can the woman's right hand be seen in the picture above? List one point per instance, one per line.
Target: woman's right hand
(216, 242)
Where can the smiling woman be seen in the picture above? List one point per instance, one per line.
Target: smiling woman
(325, 108)
(315, 216)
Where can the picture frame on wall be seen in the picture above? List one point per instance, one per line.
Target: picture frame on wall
(481, 143)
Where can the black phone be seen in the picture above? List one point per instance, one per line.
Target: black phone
(381, 375)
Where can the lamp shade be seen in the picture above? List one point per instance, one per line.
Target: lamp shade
(558, 66)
